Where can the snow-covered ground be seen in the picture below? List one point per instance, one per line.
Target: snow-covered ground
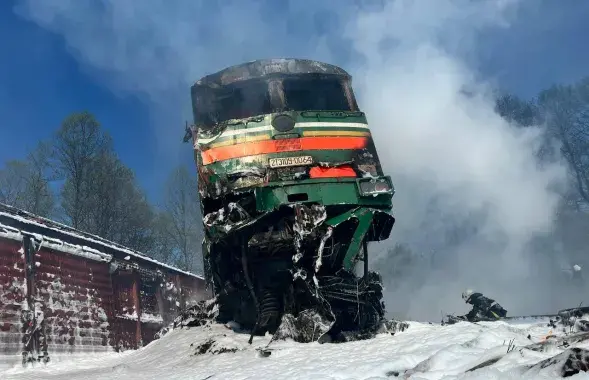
(427, 351)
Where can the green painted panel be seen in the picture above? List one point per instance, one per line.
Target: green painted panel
(326, 192)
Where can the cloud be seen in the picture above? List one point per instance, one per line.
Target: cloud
(156, 49)
(453, 160)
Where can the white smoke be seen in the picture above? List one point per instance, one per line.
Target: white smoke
(440, 139)
(452, 158)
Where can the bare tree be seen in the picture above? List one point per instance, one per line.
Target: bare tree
(163, 242)
(565, 110)
(77, 143)
(116, 208)
(13, 183)
(25, 184)
(517, 111)
(40, 198)
(100, 194)
(182, 221)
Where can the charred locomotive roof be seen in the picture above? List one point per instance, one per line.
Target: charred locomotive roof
(269, 67)
(28, 223)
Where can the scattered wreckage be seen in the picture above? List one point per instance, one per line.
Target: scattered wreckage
(291, 191)
(306, 327)
(568, 327)
(567, 333)
(485, 309)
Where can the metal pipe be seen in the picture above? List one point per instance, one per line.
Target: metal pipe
(249, 285)
(365, 247)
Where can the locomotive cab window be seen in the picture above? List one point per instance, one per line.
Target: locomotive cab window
(315, 93)
(237, 101)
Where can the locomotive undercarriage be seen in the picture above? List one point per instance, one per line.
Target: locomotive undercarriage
(293, 261)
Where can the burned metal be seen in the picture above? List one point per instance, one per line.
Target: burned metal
(266, 68)
(291, 191)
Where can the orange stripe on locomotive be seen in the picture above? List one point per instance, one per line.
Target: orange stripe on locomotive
(278, 146)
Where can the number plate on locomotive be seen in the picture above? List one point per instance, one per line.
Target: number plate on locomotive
(290, 161)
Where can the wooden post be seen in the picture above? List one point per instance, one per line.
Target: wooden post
(137, 305)
(29, 270)
(30, 340)
(159, 296)
(178, 282)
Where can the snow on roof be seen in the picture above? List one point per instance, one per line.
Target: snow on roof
(27, 218)
(55, 244)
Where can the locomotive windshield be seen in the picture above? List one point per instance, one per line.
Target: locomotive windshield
(236, 101)
(313, 94)
(260, 96)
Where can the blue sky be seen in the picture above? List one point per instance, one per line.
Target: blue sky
(40, 83)
(42, 79)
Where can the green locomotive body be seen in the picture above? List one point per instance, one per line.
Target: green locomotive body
(291, 192)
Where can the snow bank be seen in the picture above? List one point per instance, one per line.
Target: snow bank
(424, 351)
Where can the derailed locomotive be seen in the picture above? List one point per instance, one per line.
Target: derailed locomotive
(291, 192)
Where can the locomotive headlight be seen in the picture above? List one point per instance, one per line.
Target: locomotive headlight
(283, 123)
(376, 186)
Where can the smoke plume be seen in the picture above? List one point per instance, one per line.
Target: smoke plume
(456, 165)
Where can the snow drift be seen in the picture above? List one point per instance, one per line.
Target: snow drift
(492, 350)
